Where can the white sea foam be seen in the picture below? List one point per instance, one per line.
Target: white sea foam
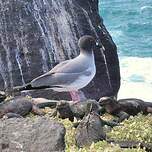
(146, 10)
(136, 78)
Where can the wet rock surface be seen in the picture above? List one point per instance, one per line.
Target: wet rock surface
(36, 35)
(31, 135)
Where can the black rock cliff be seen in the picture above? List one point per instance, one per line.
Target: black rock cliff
(35, 35)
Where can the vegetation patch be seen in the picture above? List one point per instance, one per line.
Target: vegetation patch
(138, 128)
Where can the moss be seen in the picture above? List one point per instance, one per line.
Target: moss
(138, 128)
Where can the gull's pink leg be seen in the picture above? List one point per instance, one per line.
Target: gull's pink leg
(74, 96)
(77, 96)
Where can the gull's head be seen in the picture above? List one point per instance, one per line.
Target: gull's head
(88, 43)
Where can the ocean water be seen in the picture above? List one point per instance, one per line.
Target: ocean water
(130, 24)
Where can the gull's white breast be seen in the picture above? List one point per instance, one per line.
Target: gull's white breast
(84, 78)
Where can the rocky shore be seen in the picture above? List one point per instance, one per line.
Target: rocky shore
(68, 126)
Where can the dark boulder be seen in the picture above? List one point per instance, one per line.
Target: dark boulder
(31, 135)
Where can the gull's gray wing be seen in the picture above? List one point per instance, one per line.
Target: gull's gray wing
(76, 65)
(54, 79)
(65, 72)
(58, 66)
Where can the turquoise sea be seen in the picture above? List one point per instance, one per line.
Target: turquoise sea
(130, 24)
